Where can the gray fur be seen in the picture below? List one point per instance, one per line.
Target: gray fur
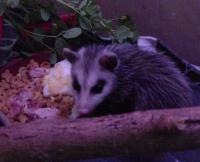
(142, 80)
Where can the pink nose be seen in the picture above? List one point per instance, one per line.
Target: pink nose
(83, 111)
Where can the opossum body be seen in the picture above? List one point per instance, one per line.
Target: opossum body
(121, 78)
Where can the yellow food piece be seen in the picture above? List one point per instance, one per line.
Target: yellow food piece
(58, 80)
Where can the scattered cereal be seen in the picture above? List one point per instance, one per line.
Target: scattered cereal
(22, 92)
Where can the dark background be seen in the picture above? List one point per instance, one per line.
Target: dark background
(176, 22)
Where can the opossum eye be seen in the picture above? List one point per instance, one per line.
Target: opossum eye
(98, 87)
(76, 85)
(109, 62)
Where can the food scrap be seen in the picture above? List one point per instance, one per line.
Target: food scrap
(21, 94)
(58, 79)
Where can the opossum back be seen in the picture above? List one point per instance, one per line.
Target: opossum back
(152, 79)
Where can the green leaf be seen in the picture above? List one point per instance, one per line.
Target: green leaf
(122, 33)
(93, 10)
(74, 1)
(53, 58)
(45, 14)
(72, 33)
(107, 22)
(2, 7)
(85, 23)
(8, 41)
(83, 4)
(126, 20)
(82, 13)
(59, 45)
(13, 3)
(7, 44)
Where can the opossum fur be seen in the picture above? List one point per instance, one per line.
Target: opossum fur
(112, 79)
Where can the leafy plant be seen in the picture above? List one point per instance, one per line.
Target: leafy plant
(38, 23)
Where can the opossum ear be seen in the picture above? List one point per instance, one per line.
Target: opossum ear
(109, 62)
(70, 55)
(147, 43)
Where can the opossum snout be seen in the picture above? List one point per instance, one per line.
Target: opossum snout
(83, 111)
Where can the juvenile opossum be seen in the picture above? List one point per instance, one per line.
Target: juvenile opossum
(111, 79)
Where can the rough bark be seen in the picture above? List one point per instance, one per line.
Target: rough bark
(127, 134)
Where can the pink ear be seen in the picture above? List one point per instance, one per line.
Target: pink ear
(109, 62)
(70, 55)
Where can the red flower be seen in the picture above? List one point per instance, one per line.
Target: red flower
(64, 18)
(70, 19)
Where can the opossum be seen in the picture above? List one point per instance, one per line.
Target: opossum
(119, 78)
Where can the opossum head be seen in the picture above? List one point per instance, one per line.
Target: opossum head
(93, 77)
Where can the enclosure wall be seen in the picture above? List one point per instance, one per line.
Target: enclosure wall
(176, 22)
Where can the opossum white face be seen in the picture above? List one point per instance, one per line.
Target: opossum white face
(93, 77)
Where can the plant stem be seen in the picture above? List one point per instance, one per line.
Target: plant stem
(45, 45)
(43, 35)
(68, 6)
(15, 14)
(107, 28)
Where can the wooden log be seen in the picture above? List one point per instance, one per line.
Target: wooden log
(144, 132)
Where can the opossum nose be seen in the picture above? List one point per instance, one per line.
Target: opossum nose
(83, 111)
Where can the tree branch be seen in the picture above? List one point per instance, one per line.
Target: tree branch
(153, 131)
